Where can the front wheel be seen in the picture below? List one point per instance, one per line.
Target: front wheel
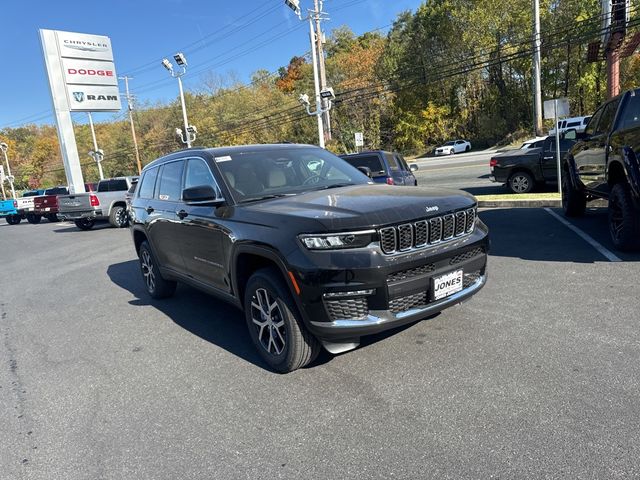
(85, 223)
(118, 217)
(275, 325)
(33, 219)
(574, 202)
(157, 287)
(520, 182)
(624, 219)
(467, 148)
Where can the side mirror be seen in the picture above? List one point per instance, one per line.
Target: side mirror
(201, 195)
(414, 167)
(365, 170)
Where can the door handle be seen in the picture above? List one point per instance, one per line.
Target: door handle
(548, 158)
(181, 214)
(150, 209)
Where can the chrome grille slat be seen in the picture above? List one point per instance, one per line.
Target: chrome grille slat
(426, 232)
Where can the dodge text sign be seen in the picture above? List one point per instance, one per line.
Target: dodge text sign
(88, 72)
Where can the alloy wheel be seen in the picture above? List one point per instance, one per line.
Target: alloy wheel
(121, 217)
(147, 270)
(520, 184)
(268, 320)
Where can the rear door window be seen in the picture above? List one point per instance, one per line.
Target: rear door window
(372, 162)
(607, 118)
(170, 182)
(148, 183)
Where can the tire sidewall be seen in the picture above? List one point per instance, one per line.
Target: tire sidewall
(113, 217)
(627, 240)
(263, 280)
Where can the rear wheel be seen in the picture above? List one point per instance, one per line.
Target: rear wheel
(574, 202)
(467, 148)
(520, 182)
(33, 218)
(157, 287)
(624, 219)
(85, 223)
(118, 217)
(13, 219)
(275, 325)
(52, 217)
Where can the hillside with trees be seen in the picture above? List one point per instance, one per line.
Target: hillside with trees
(452, 68)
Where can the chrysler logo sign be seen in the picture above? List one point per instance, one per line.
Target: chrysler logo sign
(86, 46)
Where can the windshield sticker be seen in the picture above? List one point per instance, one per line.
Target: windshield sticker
(226, 158)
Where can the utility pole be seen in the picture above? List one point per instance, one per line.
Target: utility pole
(96, 153)
(133, 128)
(537, 89)
(326, 119)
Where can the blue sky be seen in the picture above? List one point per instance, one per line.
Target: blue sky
(213, 34)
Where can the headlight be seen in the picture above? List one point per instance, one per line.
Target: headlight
(332, 241)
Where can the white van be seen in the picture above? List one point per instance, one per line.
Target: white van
(577, 123)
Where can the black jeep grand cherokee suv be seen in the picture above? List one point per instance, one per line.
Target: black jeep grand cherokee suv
(304, 244)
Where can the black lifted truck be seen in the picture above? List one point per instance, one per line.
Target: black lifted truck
(312, 251)
(605, 164)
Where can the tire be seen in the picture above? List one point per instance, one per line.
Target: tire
(11, 219)
(452, 151)
(275, 326)
(157, 287)
(52, 217)
(33, 219)
(17, 219)
(574, 202)
(85, 223)
(624, 219)
(467, 148)
(520, 182)
(118, 217)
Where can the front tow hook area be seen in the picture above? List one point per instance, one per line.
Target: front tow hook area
(344, 346)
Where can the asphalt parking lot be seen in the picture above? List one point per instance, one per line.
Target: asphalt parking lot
(536, 376)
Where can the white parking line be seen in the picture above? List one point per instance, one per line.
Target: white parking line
(604, 251)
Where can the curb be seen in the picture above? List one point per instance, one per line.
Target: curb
(519, 203)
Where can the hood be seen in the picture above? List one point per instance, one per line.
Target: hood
(363, 206)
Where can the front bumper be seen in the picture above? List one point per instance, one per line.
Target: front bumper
(377, 292)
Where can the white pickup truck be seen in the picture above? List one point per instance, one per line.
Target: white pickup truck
(108, 202)
(25, 205)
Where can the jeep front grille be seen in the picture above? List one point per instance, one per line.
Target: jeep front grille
(419, 234)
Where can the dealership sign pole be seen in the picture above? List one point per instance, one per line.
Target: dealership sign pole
(82, 78)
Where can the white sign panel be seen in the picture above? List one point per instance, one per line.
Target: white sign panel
(89, 72)
(93, 98)
(563, 108)
(82, 45)
(359, 139)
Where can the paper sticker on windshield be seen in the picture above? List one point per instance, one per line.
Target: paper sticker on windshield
(225, 158)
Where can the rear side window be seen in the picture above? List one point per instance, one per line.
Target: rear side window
(118, 185)
(148, 183)
(393, 162)
(372, 162)
(170, 182)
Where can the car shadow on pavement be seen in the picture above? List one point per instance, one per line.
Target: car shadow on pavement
(70, 228)
(534, 234)
(205, 316)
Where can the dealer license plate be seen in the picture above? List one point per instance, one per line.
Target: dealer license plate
(447, 284)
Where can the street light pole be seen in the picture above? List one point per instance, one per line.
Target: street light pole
(189, 133)
(4, 148)
(322, 74)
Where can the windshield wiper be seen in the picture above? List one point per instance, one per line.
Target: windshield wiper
(336, 185)
(267, 197)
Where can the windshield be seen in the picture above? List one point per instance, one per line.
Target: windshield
(449, 143)
(278, 172)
